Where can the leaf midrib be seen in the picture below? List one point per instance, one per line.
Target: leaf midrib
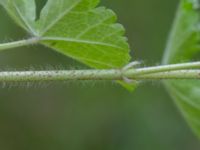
(80, 41)
(33, 31)
(58, 18)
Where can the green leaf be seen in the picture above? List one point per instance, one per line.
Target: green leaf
(90, 37)
(75, 28)
(54, 11)
(23, 12)
(184, 45)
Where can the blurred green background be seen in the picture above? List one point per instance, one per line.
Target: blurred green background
(93, 115)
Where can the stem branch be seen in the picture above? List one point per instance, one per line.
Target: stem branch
(5, 46)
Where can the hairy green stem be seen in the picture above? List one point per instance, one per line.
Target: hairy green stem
(189, 70)
(163, 68)
(181, 74)
(113, 74)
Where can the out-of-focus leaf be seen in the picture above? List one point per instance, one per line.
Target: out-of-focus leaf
(184, 45)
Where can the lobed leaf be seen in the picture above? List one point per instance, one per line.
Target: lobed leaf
(90, 37)
(184, 45)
